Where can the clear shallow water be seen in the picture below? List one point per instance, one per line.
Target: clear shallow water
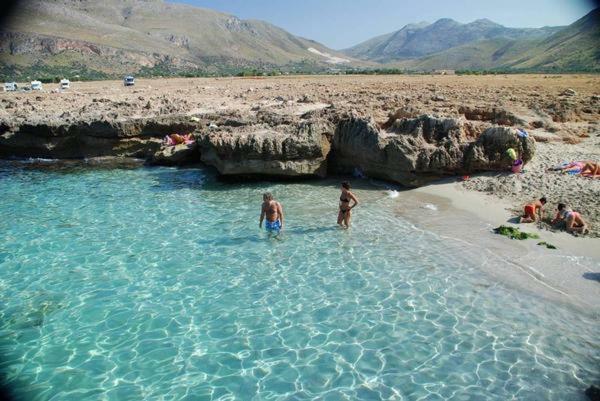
(156, 284)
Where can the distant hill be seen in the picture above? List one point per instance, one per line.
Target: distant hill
(113, 37)
(577, 47)
(419, 40)
(93, 39)
(573, 48)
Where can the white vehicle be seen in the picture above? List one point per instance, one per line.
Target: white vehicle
(36, 86)
(128, 81)
(65, 84)
(10, 86)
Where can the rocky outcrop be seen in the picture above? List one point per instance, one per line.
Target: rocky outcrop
(409, 151)
(415, 151)
(488, 152)
(493, 115)
(176, 155)
(273, 145)
(131, 138)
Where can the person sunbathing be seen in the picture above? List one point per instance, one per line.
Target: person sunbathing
(572, 167)
(573, 220)
(591, 170)
(177, 139)
(531, 209)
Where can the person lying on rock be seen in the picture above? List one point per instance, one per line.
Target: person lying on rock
(533, 209)
(176, 139)
(273, 211)
(345, 213)
(573, 220)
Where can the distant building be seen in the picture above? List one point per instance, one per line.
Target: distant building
(443, 72)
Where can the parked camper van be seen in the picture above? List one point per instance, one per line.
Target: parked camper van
(65, 84)
(128, 81)
(36, 86)
(10, 86)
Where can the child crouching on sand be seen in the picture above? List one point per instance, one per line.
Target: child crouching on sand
(573, 220)
(531, 209)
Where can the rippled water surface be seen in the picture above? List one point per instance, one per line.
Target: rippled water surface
(156, 284)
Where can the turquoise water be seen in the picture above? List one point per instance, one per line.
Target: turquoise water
(156, 284)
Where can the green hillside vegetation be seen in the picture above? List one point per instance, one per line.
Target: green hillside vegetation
(484, 45)
(152, 37)
(575, 48)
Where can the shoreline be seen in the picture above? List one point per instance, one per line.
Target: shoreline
(568, 274)
(454, 212)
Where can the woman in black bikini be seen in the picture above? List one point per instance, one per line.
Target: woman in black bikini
(345, 208)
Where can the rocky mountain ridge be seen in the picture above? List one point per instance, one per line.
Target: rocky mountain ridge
(483, 44)
(112, 38)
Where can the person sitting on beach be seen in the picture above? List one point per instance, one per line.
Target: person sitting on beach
(531, 209)
(345, 213)
(273, 211)
(573, 220)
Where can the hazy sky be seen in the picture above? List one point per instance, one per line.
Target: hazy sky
(343, 23)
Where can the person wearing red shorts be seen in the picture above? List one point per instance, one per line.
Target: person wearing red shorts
(532, 210)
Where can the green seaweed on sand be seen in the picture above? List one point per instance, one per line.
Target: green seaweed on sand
(549, 246)
(514, 233)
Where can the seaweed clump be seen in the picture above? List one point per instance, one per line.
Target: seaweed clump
(514, 233)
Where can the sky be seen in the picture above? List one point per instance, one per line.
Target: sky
(340, 24)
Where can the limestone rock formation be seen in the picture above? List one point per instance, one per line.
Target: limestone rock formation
(285, 147)
(415, 151)
(79, 139)
(489, 151)
(176, 155)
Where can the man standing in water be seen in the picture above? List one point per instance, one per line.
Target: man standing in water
(274, 213)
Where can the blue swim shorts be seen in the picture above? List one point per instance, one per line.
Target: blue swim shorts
(273, 225)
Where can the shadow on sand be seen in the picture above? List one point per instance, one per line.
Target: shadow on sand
(592, 276)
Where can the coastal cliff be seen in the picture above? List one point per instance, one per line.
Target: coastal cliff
(409, 151)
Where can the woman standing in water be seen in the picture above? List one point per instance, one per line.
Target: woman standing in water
(345, 213)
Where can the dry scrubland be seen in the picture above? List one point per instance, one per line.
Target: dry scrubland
(561, 112)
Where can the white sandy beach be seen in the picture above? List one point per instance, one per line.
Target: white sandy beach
(567, 274)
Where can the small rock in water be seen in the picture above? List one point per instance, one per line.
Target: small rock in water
(429, 206)
(593, 393)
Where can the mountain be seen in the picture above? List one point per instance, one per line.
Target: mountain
(420, 40)
(577, 47)
(573, 48)
(114, 37)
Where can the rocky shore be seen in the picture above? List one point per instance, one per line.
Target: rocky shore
(408, 130)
